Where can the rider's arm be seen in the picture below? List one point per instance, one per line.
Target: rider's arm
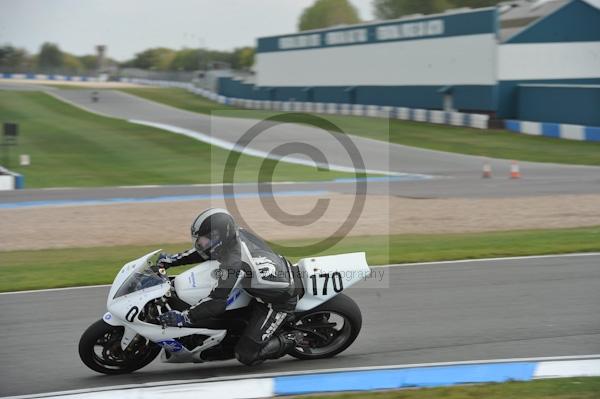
(216, 302)
(182, 258)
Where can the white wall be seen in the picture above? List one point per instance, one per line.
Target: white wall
(549, 61)
(452, 60)
(7, 182)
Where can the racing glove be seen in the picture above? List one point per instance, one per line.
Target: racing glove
(163, 261)
(175, 318)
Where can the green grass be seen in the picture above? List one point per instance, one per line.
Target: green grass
(488, 143)
(560, 388)
(407, 248)
(23, 270)
(73, 148)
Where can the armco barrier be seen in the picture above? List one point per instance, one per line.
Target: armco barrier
(32, 76)
(478, 121)
(360, 379)
(556, 130)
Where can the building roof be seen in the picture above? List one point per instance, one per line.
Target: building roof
(516, 15)
(593, 3)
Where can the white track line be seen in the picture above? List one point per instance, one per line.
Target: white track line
(81, 287)
(211, 140)
(575, 254)
(302, 372)
(579, 254)
(235, 147)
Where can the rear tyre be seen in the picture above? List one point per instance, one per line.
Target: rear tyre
(100, 350)
(328, 329)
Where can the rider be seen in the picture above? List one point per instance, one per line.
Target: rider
(216, 236)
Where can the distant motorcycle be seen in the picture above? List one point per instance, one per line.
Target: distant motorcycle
(129, 336)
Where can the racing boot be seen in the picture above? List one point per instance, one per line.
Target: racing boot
(280, 345)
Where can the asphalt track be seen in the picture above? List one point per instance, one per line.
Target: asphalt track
(453, 311)
(428, 313)
(455, 175)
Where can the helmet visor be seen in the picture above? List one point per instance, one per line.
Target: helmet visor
(205, 243)
(202, 243)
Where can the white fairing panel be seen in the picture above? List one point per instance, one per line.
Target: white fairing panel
(326, 276)
(197, 283)
(127, 307)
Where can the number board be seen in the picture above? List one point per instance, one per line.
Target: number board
(324, 284)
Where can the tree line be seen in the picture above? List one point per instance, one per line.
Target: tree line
(51, 59)
(326, 13)
(165, 59)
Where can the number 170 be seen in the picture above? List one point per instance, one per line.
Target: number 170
(335, 278)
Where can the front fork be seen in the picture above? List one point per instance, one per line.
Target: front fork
(128, 334)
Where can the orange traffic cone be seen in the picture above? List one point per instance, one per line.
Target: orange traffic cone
(487, 170)
(515, 172)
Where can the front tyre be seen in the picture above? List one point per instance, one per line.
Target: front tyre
(328, 329)
(100, 350)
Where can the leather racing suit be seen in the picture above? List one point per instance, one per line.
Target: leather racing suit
(271, 280)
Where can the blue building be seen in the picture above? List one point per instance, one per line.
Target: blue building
(493, 60)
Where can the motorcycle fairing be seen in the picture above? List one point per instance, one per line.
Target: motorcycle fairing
(197, 282)
(326, 276)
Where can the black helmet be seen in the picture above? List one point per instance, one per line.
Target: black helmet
(212, 230)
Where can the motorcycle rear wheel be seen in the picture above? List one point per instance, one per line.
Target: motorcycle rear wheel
(329, 329)
(100, 350)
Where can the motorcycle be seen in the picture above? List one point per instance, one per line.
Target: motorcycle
(129, 336)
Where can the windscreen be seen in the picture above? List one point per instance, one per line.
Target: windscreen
(139, 280)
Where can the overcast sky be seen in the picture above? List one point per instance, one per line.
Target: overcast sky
(130, 26)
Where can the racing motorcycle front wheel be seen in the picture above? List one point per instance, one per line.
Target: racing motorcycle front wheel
(328, 329)
(100, 350)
